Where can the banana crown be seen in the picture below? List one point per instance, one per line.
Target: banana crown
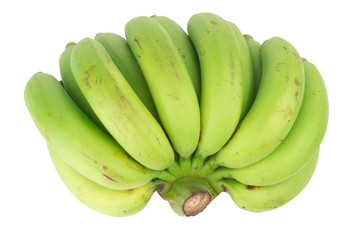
(186, 113)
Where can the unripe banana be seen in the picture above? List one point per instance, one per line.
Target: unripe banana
(255, 53)
(118, 107)
(258, 199)
(185, 47)
(275, 109)
(222, 79)
(169, 82)
(120, 52)
(298, 146)
(119, 203)
(188, 54)
(78, 141)
(249, 82)
(72, 88)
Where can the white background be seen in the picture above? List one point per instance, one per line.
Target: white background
(34, 203)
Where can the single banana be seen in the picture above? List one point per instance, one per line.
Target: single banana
(301, 142)
(264, 198)
(120, 52)
(101, 199)
(118, 107)
(188, 54)
(78, 141)
(186, 49)
(249, 82)
(275, 108)
(72, 88)
(222, 79)
(255, 53)
(169, 82)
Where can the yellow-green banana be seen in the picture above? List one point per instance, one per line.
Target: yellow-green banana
(188, 54)
(185, 47)
(301, 142)
(255, 53)
(119, 203)
(77, 139)
(169, 82)
(221, 81)
(275, 108)
(118, 107)
(71, 86)
(248, 82)
(264, 198)
(120, 52)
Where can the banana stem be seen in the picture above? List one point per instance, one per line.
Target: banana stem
(166, 176)
(161, 186)
(218, 186)
(219, 174)
(208, 167)
(185, 164)
(175, 169)
(197, 161)
(188, 196)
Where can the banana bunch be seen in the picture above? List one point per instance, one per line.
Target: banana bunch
(186, 114)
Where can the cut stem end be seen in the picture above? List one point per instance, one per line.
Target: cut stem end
(196, 203)
(189, 196)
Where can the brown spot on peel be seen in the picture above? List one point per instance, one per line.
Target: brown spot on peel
(87, 76)
(250, 187)
(107, 57)
(137, 43)
(109, 178)
(278, 66)
(296, 54)
(159, 188)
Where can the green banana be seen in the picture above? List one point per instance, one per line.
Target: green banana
(101, 199)
(258, 199)
(120, 52)
(301, 142)
(275, 108)
(221, 81)
(185, 47)
(118, 107)
(188, 54)
(169, 82)
(249, 82)
(255, 53)
(71, 86)
(77, 139)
